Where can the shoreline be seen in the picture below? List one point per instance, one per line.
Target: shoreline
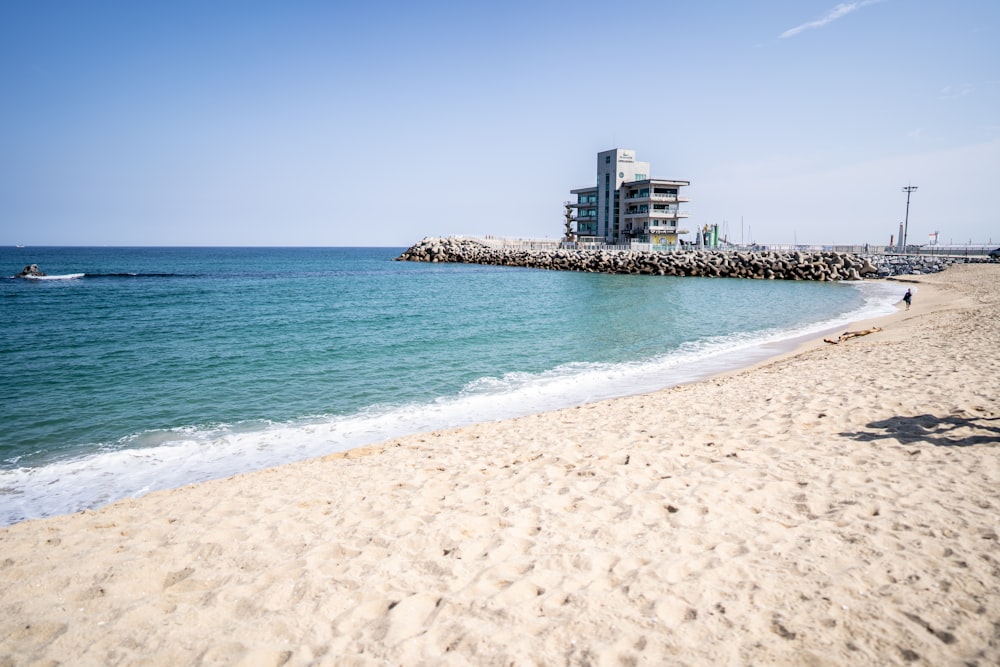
(832, 505)
(932, 298)
(90, 480)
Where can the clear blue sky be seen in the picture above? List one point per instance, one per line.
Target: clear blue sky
(379, 123)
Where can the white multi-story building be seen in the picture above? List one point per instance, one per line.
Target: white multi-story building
(627, 205)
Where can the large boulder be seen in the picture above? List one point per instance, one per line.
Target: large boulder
(30, 270)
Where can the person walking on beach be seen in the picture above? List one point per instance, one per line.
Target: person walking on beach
(907, 298)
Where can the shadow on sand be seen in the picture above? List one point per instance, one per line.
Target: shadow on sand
(950, 431)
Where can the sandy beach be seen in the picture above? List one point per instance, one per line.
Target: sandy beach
(839, 505)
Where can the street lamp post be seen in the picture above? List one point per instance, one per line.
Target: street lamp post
(906, 221)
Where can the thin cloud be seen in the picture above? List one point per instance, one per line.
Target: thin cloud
(840, 11)
(956, 91)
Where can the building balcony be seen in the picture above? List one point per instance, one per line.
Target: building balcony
(653, 229)
(668, 199)
(656, 215)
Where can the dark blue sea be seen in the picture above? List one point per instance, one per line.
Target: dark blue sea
(135, 369)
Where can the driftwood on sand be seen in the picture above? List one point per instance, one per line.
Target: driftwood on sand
(847, 335)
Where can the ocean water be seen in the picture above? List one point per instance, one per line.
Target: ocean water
(151, 368)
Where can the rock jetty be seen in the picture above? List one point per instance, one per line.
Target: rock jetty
(903, 265)
(819, 266)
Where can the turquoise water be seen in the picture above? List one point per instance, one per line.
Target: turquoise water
(164, 366)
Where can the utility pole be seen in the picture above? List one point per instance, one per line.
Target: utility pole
(906, 221)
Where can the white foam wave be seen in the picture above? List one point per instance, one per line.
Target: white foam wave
(65, 276)
(169, 459)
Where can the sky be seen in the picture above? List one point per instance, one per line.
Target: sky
(379, 123)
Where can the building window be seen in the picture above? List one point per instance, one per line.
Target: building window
(607, 159)
(640, 177)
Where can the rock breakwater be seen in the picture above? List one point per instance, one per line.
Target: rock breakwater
(902, 265)
(820, 266)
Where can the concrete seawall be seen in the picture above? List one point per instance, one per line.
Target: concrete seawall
(821, 266)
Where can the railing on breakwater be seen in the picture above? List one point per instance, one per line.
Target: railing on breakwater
(551, 244)
(506, 242)
(970, 250)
